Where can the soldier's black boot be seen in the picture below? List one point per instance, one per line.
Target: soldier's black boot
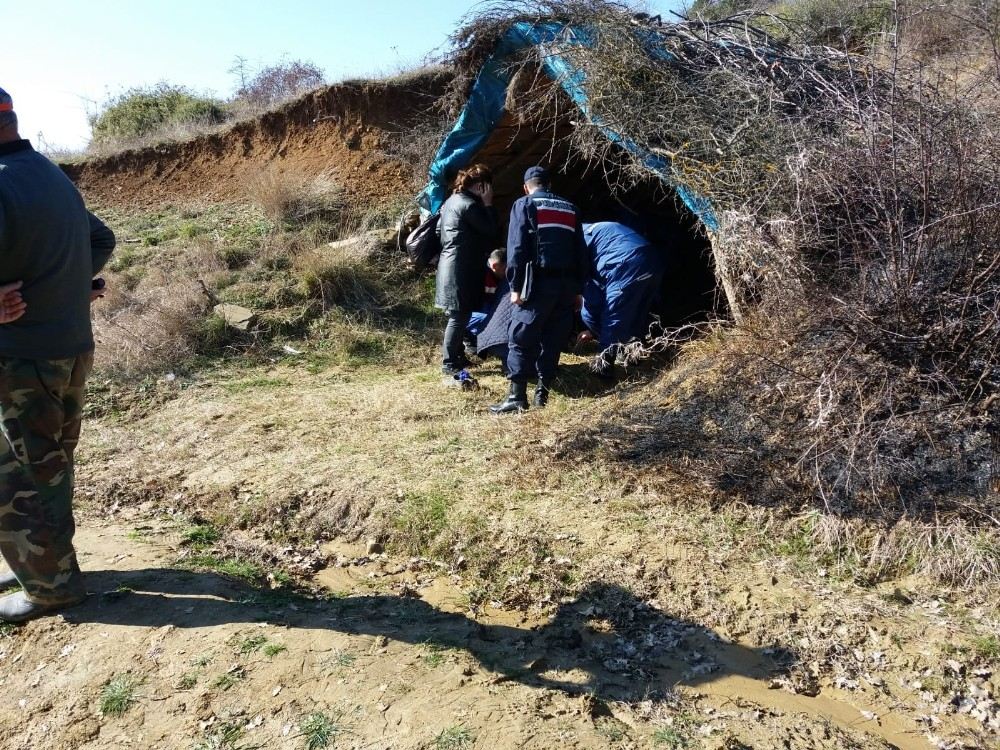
(516, 401)
(541, 395)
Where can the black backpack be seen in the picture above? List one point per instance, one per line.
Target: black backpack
(423, 246)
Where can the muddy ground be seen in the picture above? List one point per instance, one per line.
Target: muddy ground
(388, 650)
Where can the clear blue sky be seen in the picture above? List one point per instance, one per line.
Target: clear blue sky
(60, 59)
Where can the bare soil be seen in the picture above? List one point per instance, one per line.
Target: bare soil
(340, 132)
(670, 639)
(395, 671)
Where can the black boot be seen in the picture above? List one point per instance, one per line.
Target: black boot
(541, 395)
(516, 401)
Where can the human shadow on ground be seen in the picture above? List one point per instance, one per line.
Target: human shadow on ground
(605, 643)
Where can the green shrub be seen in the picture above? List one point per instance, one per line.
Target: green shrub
(141, 112)
(848, 24)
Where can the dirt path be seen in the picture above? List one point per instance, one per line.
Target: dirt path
(224, 665)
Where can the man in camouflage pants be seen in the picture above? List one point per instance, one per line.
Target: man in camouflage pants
(50, 249)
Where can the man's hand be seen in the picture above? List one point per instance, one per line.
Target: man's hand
(584, 337)
(12, 306)
(515, 297)
(98, 289)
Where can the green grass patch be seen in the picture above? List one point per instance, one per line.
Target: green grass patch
(119, 694)
(228, 679)
(188, 230)
(454, 738)
(318, 730)
(611, 729)
(419, 523)
(368, 350)
(678, 735)
(225, 737)
(212, 335)
(201, 535)
(434, 655)
(124, 258)
(187, 681)
(139, 535)
(671, 738)
(7, 629)
(255, 384)
(987, 648)
(229, 566)
(341, 658)
(273, 649)
(251, 644)
(235, 257)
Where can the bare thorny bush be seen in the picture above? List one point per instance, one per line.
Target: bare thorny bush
(857, 199)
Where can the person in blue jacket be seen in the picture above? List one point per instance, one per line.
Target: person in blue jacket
(547, 264)
(626, 275)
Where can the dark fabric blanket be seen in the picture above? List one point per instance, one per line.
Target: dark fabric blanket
(496, 330)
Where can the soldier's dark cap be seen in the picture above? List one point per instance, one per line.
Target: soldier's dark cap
(6, 103)
(537, 174)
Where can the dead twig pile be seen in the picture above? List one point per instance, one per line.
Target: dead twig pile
(856, 198)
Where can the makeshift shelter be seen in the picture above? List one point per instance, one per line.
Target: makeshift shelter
(666, 209)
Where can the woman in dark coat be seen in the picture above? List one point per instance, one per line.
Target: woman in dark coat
(468, 229)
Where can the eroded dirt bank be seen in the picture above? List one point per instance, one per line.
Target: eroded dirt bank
(338, 132)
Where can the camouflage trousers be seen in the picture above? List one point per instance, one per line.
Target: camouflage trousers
(41, 407)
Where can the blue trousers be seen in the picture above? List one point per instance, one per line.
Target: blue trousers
(540, 328)
(627, 313)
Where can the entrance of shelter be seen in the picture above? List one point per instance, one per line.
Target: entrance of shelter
(690, 292)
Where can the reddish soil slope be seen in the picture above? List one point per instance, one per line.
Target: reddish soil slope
(340, 131)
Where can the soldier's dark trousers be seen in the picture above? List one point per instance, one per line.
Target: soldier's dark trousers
(540, 328)
(42, 405)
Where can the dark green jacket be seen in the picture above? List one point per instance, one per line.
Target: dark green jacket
(55, 246)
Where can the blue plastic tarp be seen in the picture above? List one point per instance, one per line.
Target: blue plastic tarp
(485, 108)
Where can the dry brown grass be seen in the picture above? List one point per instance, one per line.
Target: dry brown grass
(153, 326)
(289, 197)
(341, 278)
(857, 211)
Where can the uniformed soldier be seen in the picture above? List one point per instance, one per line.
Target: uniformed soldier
(51, 243)
(547, 265)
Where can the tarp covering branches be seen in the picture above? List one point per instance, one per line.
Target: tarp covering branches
(853, 206)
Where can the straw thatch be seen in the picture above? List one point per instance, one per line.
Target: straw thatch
(858, 215)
